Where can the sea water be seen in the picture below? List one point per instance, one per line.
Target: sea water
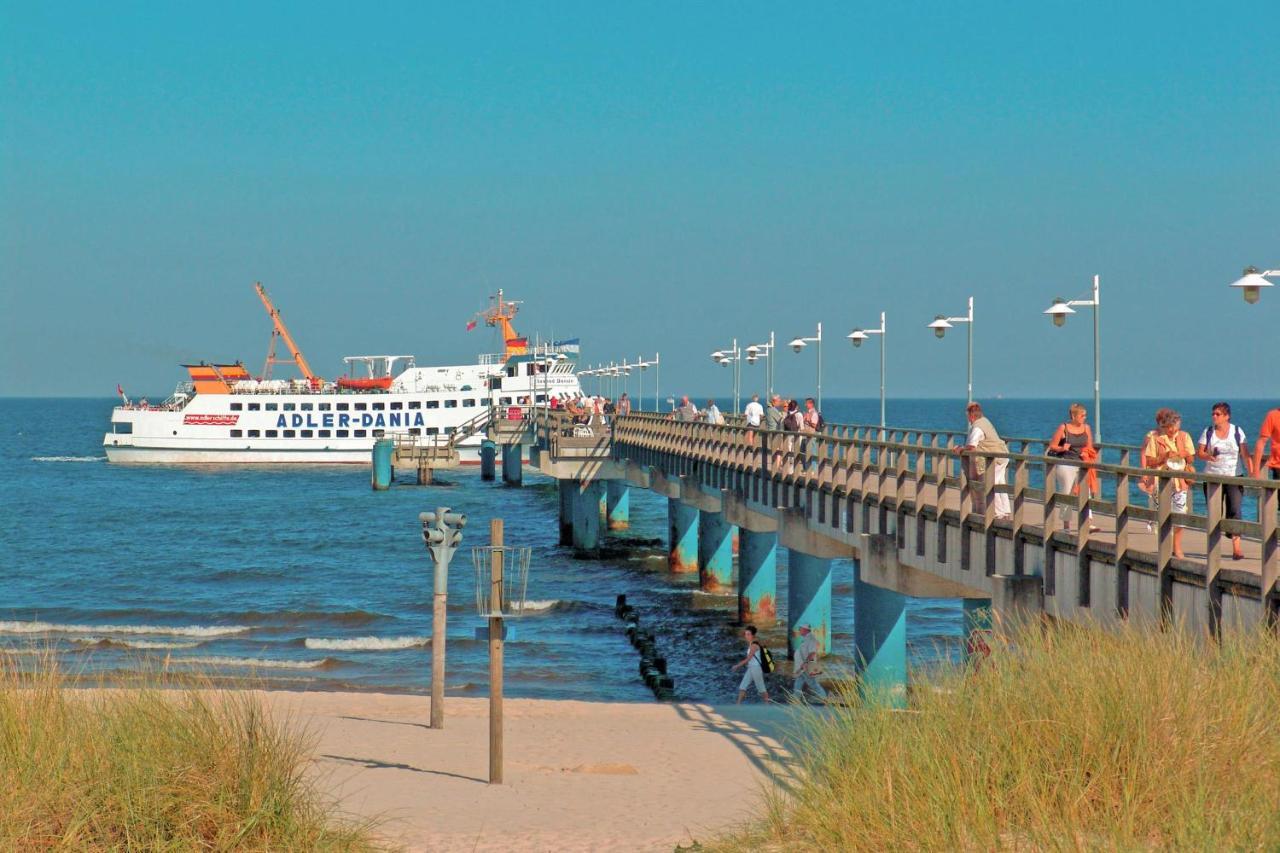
(302, 577)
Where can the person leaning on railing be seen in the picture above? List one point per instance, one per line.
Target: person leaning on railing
(1073, 440)
(1169, 448)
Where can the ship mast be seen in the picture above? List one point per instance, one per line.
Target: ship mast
(500, 313)
(278, 329)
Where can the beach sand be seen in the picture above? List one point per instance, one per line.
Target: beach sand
(579, 775)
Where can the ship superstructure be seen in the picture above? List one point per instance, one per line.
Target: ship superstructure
(222, 414)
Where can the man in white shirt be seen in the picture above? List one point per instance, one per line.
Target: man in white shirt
(712, 413)
(806, 665)
(754, 412)
(984, 439)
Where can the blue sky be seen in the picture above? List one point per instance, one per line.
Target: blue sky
(658, 179)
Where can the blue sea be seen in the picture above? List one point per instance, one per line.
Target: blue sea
(305, 578)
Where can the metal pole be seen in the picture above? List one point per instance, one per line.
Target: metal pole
(819, 367)
(884, 334)
(1097, 366)
(495, 654)
(657, 379)
(970, 386)
(772, 356)
(439, 607)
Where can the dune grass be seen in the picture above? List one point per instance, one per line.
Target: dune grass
(1077, 738)
(146, 768)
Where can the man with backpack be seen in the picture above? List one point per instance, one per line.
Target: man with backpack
(813, 419)
(1222, 445)
(758, 661)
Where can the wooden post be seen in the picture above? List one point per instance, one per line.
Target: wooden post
(495, 654)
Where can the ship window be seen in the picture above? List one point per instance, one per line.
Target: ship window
(324, 433)
(236, 433)
(342, 433)
(324, 407)
(360, 407)
(433, 404)
(270, 407)
(432, 431)
(361, 433)
(511, 371)
(289, 433)
(272, 433)
(237, 407)
(506, 401)
(448, 430)
(378, 407)
(468, 404)
(306, 433)
(397, 405)
(451, 404)
(542, 398)
(342, 407)
(253, 433)
(414, 404)
(289, 407)
(253, 407)
(379, 433)
(306, 407)
(415, 431)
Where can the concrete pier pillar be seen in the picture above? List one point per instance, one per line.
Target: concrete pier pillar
(425, 475)
(682, 538)
(488, 459)
(383, 469)
(977, 628)
(808, 597)
(880, 640)
(757, 578)
(618, 504)
(512, 470)
(586, 519)
(568, 495)
(715, 552)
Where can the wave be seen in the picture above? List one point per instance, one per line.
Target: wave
(294, 617)
(256, 663)
(534, 605)
(109, 643)
(161, 630)
(366, 644)
(68, 459)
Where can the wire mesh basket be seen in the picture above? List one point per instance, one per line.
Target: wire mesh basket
(515, 579)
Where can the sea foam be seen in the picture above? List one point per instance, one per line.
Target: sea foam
(365, 644)
(253, 663)
(110, 642)
(68, 459)
(161, 630)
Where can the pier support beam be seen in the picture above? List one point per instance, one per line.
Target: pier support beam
(977, 628)
(512, 470)
(758, 578)
(568, 495)
(618, 504)
(383, 468)
(682, 524)
(715, 552)
(488, 459)
(880, 640)
(586, 519)
(808, 598)
(425, 475)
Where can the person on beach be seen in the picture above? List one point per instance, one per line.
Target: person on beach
(1073, 441)
(1269, 431)
(806, 665)
(624, 405)
(983, 438)
(755, 672)
(687, 411)
(711, 414)
(1170, 449)
(1222, 445)
(754, 413)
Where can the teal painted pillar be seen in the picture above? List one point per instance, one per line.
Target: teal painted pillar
(757, 578)
(618, 504)
(682, 523)
(977, 629)
(715, 552)
(880, 640)
(568, 494)
(512, 470)
(383, 470)
(586, 519)
(808, 597)
(488, 459)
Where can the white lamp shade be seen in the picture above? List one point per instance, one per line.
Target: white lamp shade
(940, 322)
(1251, 279)
(858, 335)
(799, 343)
(1060, 308)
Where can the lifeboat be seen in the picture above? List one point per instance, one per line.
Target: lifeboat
(376, 383)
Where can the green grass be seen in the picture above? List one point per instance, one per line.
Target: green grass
(1078, 738)
(146, 768)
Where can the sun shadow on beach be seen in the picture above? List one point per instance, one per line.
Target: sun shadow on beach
(376, 764)
(766, 735)
(388, 722)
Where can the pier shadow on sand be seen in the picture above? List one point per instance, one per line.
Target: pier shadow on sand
(768, 735)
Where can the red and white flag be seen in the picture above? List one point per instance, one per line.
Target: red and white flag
(471, 324)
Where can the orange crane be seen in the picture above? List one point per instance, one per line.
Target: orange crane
(280, 330)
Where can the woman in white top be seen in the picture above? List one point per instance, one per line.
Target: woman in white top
(1222, 446)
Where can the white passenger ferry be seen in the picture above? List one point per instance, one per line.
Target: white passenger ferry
(223, 415)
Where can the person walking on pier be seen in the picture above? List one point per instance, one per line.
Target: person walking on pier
(1073, 441)
(774, 414)
(806, 665)
(687, 411)
(711, 414)
(1222, 445)
(755, 671)
(1170, 449)
(983, 438)
(754, 413)
(813, 420)
(624, 405)
(1269, 431)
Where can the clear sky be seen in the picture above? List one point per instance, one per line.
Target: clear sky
(658, 179)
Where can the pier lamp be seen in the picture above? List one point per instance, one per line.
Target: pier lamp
(798, 344)
(856, 337)
(1253, 282)
(726, 357)
(644, 365)
(940, 325)
(1059, 311)
(755, 352)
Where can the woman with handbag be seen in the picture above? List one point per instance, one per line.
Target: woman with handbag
(1070, 442)
(1170, 449)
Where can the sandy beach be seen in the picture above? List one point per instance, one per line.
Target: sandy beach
(579, 775)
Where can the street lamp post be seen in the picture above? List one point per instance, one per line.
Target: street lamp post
(1253, 282)
(856, 337)
(1059, 311)
(755, 352)
(733, 356)
(798, 344)
(940, 325)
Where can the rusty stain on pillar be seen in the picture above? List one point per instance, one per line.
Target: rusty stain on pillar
(715, 552)
(682, 536)
(758, 578)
